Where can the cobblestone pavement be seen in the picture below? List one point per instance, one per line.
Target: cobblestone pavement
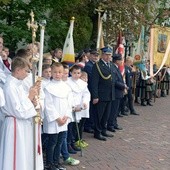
(143, 144)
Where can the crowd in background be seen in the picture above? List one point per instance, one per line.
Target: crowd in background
(87, 96)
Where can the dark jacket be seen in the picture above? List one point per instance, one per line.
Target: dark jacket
(102, 88)
(119, 84)
(128, 76)
(88, 69)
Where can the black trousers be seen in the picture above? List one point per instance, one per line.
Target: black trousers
(103, 109)
(112, 121)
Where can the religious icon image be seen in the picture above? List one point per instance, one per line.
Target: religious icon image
(162, 43)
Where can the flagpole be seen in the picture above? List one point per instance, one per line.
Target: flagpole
(99, 11)
(32, 24)
(42, 27)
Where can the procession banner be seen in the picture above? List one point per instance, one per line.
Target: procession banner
(68, 50)
(161, 38)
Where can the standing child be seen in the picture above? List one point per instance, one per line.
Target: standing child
(81, 97)
(46, 75)
(46, 78)
(65, 150)
(16, 148)
(58, 109)
(2, 103)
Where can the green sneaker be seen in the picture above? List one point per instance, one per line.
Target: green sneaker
(81, 144)
(71, 161)
(84, 143)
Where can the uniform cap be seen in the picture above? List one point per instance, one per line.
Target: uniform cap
(106, 50)
(117, 57)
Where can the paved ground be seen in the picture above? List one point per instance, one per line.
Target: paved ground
(144, 144)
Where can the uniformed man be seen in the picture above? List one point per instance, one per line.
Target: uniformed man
(103, 92)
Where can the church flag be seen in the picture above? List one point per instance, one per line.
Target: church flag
(68, 50)
(139, 59)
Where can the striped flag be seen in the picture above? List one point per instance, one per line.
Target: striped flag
(68, 50)
(120, 50)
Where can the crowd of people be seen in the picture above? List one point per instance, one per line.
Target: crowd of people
(88, 96)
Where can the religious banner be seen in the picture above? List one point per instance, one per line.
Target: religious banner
(161, 39)
(68, 50)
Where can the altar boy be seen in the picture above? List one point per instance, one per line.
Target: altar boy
(81, 97)
(16, 149)
(58, 109)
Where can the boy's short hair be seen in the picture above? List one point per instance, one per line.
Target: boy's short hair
(46, 55)
(45, 66)
(75, 67)
(65, 65)
(56, 64)
(22, 53)
(83, 73)
(19, 62)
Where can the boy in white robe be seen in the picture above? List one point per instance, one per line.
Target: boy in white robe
(2, 103)
(15, 149)
(81, 97)
(46, 78)
(27, 84)
(65, 149)
(58, 109)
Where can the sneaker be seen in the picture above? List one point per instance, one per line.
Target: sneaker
(81, 144)
(71, 161)
(84, 143)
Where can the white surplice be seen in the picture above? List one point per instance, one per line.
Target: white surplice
(81, 95)
(58, 103)
(4, 72)
(27, 83)
(19, 111)
(2, 103)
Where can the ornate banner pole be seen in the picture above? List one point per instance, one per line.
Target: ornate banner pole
(34, 26)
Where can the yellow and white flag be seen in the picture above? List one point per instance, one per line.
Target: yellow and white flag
(68, 50)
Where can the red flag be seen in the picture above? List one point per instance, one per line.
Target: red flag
(120, 50)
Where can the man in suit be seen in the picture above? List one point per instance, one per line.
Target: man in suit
(120, 87)
(93, 58)
(103, 92)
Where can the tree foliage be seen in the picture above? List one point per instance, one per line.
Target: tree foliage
(126, 15)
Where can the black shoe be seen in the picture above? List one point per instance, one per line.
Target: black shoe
(100, 137)
(71, 150)
(111, 129)
(124, 114)
(75, 147)
(51, 167)
(143, 104)
(118, 128)
(59, 167)
(134, 113)
(107, 134)
(120, 115)
(90, 130)
(148, 103)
